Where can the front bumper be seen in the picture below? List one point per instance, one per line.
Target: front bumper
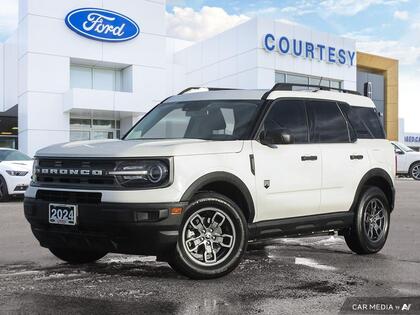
(17, 184)
(146, 229)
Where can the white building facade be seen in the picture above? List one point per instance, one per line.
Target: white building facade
(68, 86)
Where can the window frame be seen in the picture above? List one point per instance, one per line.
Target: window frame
(378, 120)
(260, 120)
(268, 110)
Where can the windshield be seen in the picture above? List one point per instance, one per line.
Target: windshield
(404, 147)
(12, 155)
(209, 120)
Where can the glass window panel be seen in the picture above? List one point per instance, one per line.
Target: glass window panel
(80, 77)
(378, 86)
(103, 124)
(297, 79)
(210, 120)
(104, 79)
(76, 123)
(6, 142)
(98, 135)
(280, 77)
(118, 80)
(329, 125)
(291, 117)
(76, 135)
(365, 122)
(335, 84)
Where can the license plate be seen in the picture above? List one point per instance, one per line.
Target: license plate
(62, 214)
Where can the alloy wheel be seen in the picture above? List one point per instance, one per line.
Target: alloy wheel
(415, 172)
(375, 220)
(208, 236)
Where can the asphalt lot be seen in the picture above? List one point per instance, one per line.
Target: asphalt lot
(284, 276)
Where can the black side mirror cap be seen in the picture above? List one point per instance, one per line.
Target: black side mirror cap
(276, 136)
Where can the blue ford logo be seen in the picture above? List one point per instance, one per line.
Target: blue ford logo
(102, 25)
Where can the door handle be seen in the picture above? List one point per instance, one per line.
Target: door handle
(309, 158)
(356, 157)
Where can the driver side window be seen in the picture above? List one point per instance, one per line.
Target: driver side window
(289, 115)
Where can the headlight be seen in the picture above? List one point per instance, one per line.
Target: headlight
(142, 173)
(34, 167)
(17, 173)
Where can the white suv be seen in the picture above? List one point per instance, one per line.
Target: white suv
(204, 172)
(408, 161)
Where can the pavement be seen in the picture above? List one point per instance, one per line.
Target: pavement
(311, 275)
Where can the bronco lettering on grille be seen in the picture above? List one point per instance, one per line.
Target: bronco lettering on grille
(69, 171)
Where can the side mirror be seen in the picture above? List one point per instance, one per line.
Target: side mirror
(399, 151)
(276, 136)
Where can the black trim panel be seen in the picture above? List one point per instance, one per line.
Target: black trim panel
(375, 172)
(126, 228)
(221, 177)
(304, 225)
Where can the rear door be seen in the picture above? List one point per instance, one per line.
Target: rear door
(288, 176)
(343, 162)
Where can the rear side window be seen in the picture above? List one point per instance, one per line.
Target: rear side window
(366, 123)
(327, 123)
(289, 115)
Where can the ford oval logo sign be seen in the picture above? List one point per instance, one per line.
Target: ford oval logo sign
(100, 24)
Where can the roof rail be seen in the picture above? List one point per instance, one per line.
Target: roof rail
(190, 89)
(290, 87)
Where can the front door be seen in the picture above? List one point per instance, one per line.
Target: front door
(288, 176)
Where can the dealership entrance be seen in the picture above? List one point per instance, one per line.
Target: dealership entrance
(9, 128)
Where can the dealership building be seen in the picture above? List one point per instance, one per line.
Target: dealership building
(77, 70)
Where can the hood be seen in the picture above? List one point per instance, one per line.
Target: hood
(413, 153)
(17, 165)
(140, 148)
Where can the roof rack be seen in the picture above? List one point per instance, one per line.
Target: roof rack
(192, 88)
(291, 86)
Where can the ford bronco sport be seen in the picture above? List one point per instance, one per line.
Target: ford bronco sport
(208, 170)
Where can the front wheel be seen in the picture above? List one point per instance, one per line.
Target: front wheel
(212, 238)
(4, 194)
(370, 228)
(415, 171)
(74, 256)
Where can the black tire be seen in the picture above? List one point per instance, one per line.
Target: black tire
(4, 193)
(358, 237)
(414, 171)
(74, 256)
(225, 251)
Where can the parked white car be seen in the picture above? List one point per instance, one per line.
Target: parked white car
(408, 161)
(15, 173)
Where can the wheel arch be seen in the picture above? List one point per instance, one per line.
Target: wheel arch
(411, 165)
(379, 178)
(226, 184)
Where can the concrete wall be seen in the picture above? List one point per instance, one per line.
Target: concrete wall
(47, 47)
(236, 58)
(2, 76)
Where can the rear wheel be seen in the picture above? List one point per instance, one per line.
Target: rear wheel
(74, 256)
(4, 194)
(371, 225)
(415, 171)
(212, 238)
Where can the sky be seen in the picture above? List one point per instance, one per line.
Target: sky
(386, 27)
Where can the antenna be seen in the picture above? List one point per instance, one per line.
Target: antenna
(320, 80)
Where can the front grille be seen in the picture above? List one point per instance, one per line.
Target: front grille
(68, 196)
(66, 180)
